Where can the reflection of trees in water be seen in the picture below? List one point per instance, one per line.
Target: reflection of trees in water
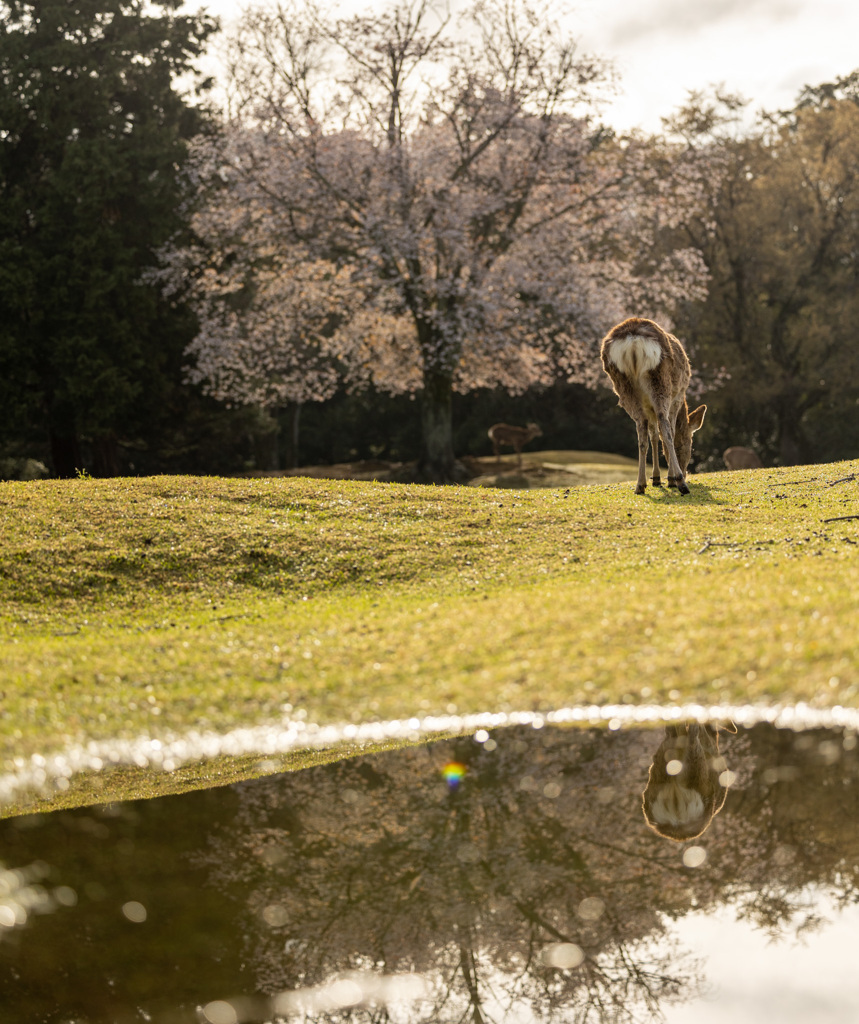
(493, 890)
(538, 853)
(795, 824)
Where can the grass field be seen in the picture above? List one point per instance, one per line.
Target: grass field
(153, 606)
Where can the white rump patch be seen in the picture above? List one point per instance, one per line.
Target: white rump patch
(677, 805)
(635, 355)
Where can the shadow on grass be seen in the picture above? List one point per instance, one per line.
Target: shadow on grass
(699, 494)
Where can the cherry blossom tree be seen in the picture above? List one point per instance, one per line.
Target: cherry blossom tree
(427, 204)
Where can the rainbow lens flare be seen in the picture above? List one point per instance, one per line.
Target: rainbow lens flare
(454, 772)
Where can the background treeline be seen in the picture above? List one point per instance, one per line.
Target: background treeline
(96, 183)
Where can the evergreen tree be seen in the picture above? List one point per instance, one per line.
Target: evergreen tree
(92, 140)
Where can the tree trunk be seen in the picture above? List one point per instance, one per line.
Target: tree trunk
(105, 453)
(789, 450)
(290, 457)
(791, 443)
(266, 440)
(437, 464)
(63, 439)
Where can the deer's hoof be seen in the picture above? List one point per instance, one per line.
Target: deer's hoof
(657, 481)
(640, 488)
(683, 488)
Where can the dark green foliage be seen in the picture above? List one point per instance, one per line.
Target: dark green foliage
(572, 417)
(369, 424)
(92, 135)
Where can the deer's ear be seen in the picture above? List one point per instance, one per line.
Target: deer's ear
(696, 418)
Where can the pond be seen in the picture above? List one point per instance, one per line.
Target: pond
(519, 875)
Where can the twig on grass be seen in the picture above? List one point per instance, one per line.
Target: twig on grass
(843, 480)
(839, 519)
(731, 544)
(718, 544)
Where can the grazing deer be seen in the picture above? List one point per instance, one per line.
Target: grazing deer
(518, 437)
(684, 790)
(650, 371)
(741, 458)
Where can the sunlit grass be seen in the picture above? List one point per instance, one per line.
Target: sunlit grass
(164, 604)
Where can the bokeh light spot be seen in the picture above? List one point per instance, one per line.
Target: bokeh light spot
(591, 908)
(220, 1012)
(275, 915)
(345, 992)
(134, 911)
(563, 955)
(65, 896)
(694, 856)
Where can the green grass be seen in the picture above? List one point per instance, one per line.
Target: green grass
(163, 604)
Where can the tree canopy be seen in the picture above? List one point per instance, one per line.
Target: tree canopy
(783, 296)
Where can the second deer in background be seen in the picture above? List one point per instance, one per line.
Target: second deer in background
(739, 457)
(517, 437)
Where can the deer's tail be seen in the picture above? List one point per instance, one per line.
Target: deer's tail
(635, 355)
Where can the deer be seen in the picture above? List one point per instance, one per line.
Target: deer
(518, 437)
(685, 786)
(741, 458)
(650, 372)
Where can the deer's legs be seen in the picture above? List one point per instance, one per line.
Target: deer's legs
(675, 473)
(654, 455)
(641, 427)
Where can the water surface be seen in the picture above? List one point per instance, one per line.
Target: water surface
(512, 875)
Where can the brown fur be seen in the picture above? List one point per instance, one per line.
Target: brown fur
(652, 389)
(741, 458)
(517, 437)
(695, 795)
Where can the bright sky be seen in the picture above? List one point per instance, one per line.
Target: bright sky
(764, 49)
(752, 979)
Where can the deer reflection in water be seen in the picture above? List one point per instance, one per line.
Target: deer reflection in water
(686, 787)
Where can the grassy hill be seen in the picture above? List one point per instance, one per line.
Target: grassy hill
(158, 605)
